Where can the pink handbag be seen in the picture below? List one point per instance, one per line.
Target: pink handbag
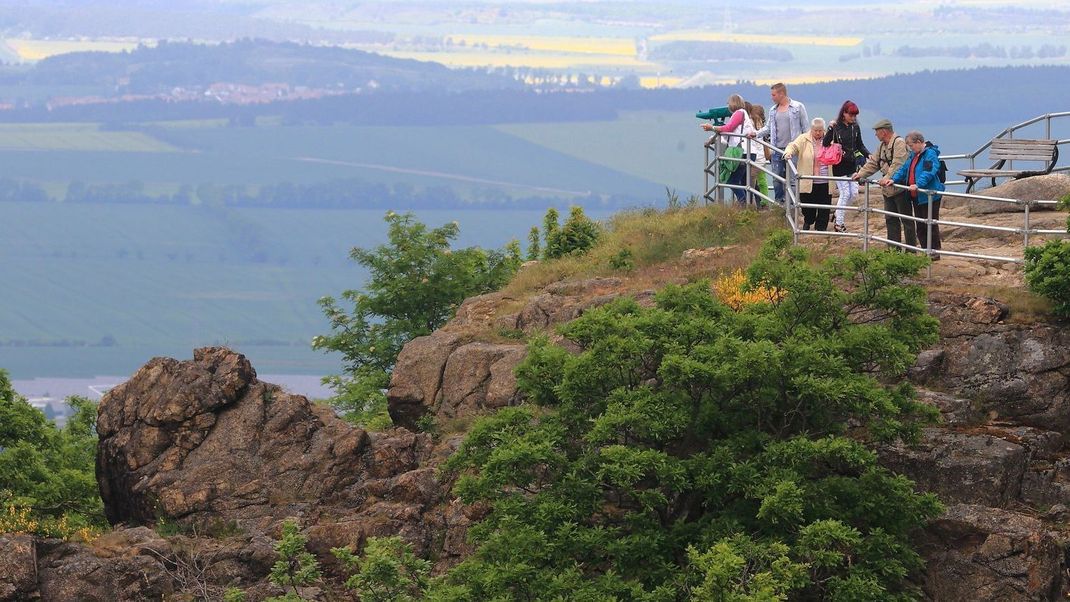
(830, 155)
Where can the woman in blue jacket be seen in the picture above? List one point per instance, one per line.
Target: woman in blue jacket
(920, 174)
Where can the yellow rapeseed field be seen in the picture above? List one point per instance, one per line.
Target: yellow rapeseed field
(652, 82)
(35, 50)
(751, 38)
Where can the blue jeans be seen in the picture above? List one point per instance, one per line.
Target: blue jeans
(780, 168)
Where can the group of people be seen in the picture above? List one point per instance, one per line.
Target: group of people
(909, 161)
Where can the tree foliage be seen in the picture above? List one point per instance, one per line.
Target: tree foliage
(575, 237)
(416, 283)
(387, 572)
(692, 451)
(47, 473)
(1047, 269)
(295, 567)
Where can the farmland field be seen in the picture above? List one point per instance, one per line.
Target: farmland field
(467, 158)
(75, 137)
(34, 50)
(101, 288)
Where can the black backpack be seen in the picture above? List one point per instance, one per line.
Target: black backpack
(941, 171)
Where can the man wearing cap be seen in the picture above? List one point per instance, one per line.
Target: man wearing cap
(891, 155)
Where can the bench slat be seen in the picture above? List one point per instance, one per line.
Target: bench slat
(984, 173)
(1019, 141)
(1020, 156)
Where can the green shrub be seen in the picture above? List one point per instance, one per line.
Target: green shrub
(622, 261)
(1047, 269)
(534, 249)
(692, 451)
(576, 237)
(387, 572)
(296, 566)
(49, 473)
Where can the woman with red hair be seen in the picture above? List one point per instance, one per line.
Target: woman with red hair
(846, 132)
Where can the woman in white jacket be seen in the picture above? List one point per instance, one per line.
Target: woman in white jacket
(814, 191)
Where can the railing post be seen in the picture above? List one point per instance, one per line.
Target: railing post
(706, 173)
(791, 195)
(747, 166)
(718, 149)
(1025, 233)
(929, 230)
(865, 218)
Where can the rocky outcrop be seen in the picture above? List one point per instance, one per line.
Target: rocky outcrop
(1050, 187)
(18, 580)
(1010, 371)
(978, 553)
(447, 376)
(207, 439)
(204, 443)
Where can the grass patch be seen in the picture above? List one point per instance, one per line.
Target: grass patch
(654, 241)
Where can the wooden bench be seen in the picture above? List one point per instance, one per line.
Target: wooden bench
(1011, 149)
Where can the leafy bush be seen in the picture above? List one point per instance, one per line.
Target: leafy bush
(576, 237)
(622, 261)
(690, 451)
(47, 474)
(1047, 269)
(388, 571)
(295, 567)
(416, 283)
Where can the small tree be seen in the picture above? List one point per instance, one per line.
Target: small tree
(576, 237)
(416, 283)
(388, 571)
(534, 249)
(1047, 269)
(550, 226)
(295, 567)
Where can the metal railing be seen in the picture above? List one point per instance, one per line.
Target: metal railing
(793, 205)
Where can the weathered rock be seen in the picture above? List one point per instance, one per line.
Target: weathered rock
(1010, 371)
(477, 312)
(706, 254)
(955, 411)
(70, 571)
(417, 377)
(565, 301)
(479, 377)
(978, 553)
(18, 567)
(961, 467)
(205, 437)
(1050, 187)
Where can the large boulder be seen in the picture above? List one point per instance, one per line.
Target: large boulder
(978, 553)
(18, 567)
(206, 437)
(961, 467)
(1050, 187)
(1018, 372)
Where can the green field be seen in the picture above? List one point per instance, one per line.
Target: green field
(163, 280)
(88, 137)
(166, 156)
